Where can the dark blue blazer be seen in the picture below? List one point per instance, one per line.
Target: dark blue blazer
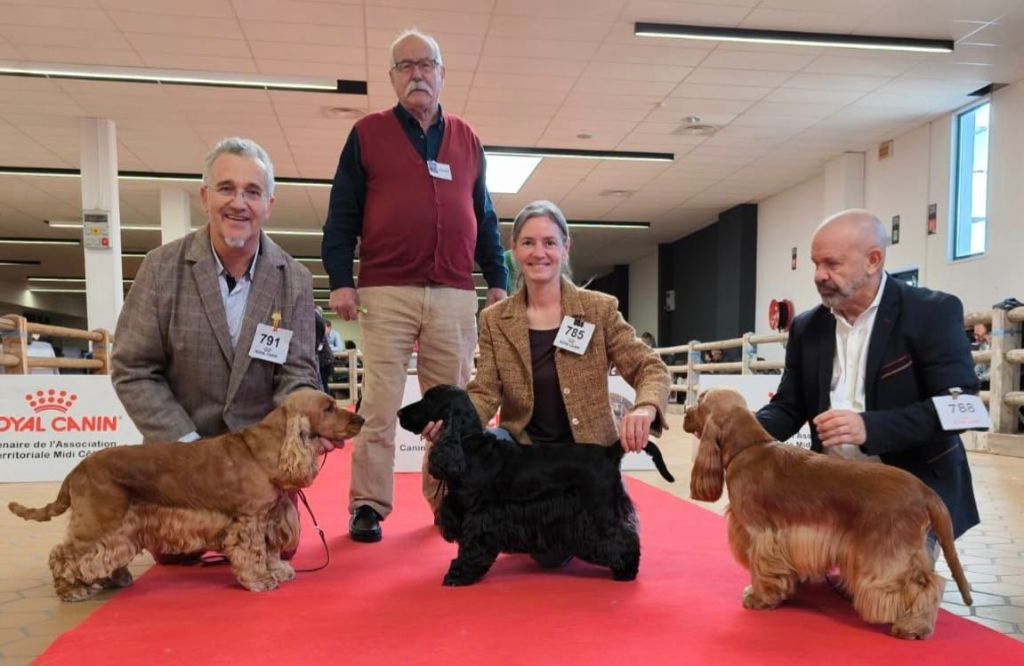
(918, 349)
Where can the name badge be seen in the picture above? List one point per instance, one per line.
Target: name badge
(574, 335)
(270, 344)
(439, 170)
(962, 412)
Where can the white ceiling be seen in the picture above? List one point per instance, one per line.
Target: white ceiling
(523, 72)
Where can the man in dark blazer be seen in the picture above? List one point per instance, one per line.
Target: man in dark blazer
(863, 366)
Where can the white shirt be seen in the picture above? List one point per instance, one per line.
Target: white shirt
(849, 365)
(234, 299)
(41, 349)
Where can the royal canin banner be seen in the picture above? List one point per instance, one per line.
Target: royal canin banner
(49, 423)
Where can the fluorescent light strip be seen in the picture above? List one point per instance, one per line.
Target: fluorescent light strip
(594, 224)
(345, 86)
(55, 290)
(39, 241)
(19, 262)
(71, 224)
(792, 38)
(627, 155)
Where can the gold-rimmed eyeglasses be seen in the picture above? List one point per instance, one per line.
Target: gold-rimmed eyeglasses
(406, 66)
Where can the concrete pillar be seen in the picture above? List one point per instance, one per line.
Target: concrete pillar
(175, 214)
(103, 278)
(844, 183)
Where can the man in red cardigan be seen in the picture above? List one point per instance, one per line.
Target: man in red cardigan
(410, 187)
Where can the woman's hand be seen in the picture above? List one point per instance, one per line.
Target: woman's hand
(432, 431)
(635, 428)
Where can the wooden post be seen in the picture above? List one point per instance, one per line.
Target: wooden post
(101, 350)
(15, 343)
(1004, 376)
(692, 376)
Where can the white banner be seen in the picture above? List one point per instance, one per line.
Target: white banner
(409, 449)
(757, 390)
(48, 423)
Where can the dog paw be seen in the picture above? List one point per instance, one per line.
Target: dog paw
(282, 572)
(452, 580)
(754, 601)
(912, 631)
(76, 593)
(120, 578)
(260, 583)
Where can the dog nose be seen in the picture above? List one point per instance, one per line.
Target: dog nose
(358, 420)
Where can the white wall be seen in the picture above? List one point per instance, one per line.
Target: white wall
(644, 299)
(786, 220)
(916, 174)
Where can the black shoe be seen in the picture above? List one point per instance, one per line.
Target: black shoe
(364, 525)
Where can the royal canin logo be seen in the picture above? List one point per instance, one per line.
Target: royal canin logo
(59, 401)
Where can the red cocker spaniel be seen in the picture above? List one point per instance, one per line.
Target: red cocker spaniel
(794, 515)
(226, 493)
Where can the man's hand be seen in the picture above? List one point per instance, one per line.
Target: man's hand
(840, 426)
(432, 431)
(494, 295)
(635, 428)
(344, 302)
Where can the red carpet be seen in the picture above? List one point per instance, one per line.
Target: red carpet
(384, 604)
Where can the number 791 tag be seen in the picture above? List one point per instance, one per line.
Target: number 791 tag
(270, 344)
(963, 412)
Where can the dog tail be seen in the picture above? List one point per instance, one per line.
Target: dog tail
(55, 508)
(616, 452)
(943, 528)
(655, 453)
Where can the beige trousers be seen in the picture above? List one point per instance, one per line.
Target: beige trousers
(444, 321)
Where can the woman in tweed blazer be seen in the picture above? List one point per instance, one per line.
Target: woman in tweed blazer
(516, 333)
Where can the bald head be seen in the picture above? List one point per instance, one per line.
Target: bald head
(858, 227)
(848, 252)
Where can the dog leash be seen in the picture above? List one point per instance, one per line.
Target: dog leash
(323, 538)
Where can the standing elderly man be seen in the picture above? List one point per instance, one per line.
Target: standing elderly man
(863, 367)
(410, 187)
(187, 361)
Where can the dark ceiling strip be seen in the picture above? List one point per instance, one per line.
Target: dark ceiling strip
(342, 86)
(711, 32)
(574, 152)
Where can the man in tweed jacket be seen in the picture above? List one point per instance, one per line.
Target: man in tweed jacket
(181, 362)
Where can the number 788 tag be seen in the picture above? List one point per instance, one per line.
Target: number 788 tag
(962, 412)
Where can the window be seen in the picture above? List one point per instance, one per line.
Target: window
(970, 188)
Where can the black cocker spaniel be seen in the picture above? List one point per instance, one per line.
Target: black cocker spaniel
(553, 501)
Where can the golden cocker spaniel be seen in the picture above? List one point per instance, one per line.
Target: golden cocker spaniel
(226, 493)
(794, 515)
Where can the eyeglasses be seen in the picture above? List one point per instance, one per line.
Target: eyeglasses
(406, 66)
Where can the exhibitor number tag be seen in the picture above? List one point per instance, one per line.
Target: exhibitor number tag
(574, 335)
(963, 412)
(271, 344)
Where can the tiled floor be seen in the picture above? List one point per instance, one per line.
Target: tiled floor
(992, 553)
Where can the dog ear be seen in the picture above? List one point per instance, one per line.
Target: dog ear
(446, 459)
(296, 462)
(708, 476)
